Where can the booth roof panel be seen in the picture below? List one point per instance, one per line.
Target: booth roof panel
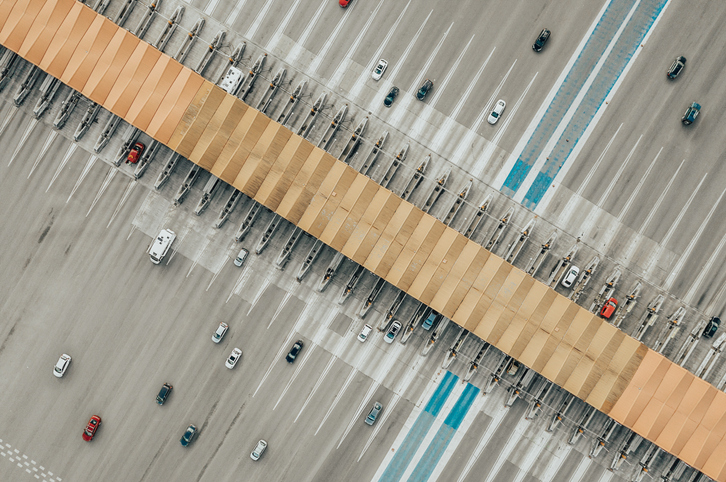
(410, 249)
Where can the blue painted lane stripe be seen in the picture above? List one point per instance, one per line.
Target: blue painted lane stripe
(442, 439)
(415, 436)
(584, 65)
(622, 53)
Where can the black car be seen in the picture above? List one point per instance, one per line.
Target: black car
(188, 435)
(711, 327)
(676, 67)
(164, 393)
(391, 97)
(542, 39)
(294, 351)
(425, 88)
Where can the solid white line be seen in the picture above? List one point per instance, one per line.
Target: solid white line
(685, 207)
(619, 173)
(687, 253)
(318, 382)
(360, 82)
(702, 273)
(581, 469)
(497, 419)
(277, 36)
(504, 172)
(263, 287)
(280, 307)
(553, 467)
(337, 76)
(433, 430)
(572, 110)
(660, 200)
(258, 20)
(635, 192)
(359, 411)
(490, 101)
(298, 369)
(422, 73)
(299, 46)
(209, 9)
(313, 66)
(515, 438)
(595, 166)
(232, 18)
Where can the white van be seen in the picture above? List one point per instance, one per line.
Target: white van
(231, 80)
(161, 245)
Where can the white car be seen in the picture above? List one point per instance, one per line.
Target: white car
(233, 358)
(496, 113)
(258, 450)
(60, 368)
(241, 257)
(221, 331)
(363, 335)
(570, 277)
(380, 68)
(392, 332)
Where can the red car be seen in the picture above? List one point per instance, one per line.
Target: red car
(609, 308)
(344, 3)
(135, 153)
(91, 428)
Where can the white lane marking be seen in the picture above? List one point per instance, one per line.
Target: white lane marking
(476, 407)
(16, 457)
(277, 36)
(209, 9)
(582, 467)
(232, 18)
(47, 144)
(360, 82)
(312, 67)
(318, 382)
(595, 166)
(106, 182)
(496, 419)
(399, 114)
(265, 284)
(241, 280)
(444, 132)
(657, 204)
(24, 138)
(434, 429)
(490, 101)
(11, 116)
(716, 254)
(217, 271)
(359, 411)
(423, 119)
(122, 202)
(685, 207)
(280, 307)
(635, 192)
(337, 76)
(258, 20)
(398, 65)
(488, 151)
(553, 467)
(527, 460)
(515, 438)
(607, 476)
(69, 153)
(386, 412)
(512, 159)
(571, 111)
(338, 396)
(299, 46)
(689, 249)
(297, 371)
(196, 260)
(619, 173)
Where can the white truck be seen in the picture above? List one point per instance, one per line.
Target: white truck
(231, 80)
(161, 245)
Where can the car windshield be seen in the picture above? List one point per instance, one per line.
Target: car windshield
(494, 114)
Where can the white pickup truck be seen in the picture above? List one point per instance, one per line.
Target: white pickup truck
(161, 245)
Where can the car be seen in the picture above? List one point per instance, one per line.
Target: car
(258, 450)
(164, 393)
(431, 320)
(711, 327)
(570, 277)
(496, 112)
(135, 153)
(60, 368)
(425, 88)
(241, 257)
(513, 367)
(294, 351)
(391, 96)
(691, 113)
(373, 414)
(221, 331)
(91, 428)
(392, 331)
(344, 3)
(363, 335)
(542, 39)
(380, 69)
(676, 67)
(233, 358)
(188, 436)
(609, 308)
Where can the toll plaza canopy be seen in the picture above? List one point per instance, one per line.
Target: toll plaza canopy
(372, 226)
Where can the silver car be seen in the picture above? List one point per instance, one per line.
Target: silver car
(392, 331)
(496, 113)
(380, 69)
(241, 257)
(258, 450)
(233, 358)
(221, 331)
(60, 368)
